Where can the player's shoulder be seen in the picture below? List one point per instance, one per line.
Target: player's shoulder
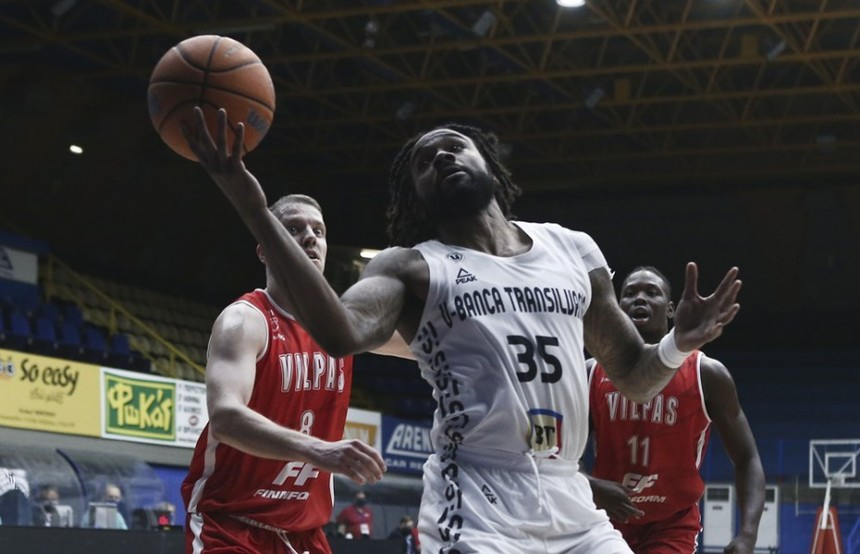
(404, 264)
(712, 365)
(714, 372)
(396, 260)
(550, 227)
(239, 314)
(242, 307)
(580, 240)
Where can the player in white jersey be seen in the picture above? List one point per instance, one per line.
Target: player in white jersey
(497, 313)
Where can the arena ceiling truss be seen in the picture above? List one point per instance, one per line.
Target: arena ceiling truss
(616, 91)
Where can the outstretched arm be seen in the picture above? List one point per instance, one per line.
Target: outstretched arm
(730, 422)
(341, 328)
(640, 370)
(238, 336)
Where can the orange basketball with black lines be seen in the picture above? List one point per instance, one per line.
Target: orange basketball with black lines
(212, 72)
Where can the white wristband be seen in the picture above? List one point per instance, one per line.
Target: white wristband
(668, 351)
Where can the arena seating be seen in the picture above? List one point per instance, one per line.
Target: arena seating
(100, 321)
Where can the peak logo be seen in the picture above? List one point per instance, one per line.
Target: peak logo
(488, 493)
(464, 276)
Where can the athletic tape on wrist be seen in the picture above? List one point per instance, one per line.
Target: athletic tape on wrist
(668, 351)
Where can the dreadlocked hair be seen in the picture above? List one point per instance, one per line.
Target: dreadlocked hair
(408, 222)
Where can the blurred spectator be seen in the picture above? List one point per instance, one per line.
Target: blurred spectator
(48, 512)
(356, 520)
(165, 514)
(407, 534)
(104, 513)
(159, 516)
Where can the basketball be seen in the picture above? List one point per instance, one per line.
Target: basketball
(212, 72)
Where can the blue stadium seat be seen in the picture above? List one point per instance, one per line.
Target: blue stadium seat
(45, 337)
(122, 356)
(49, 310)
(95, 344)
(73, 314)
(20, 330)
(119, 345)
(3, 326)
(70, 343)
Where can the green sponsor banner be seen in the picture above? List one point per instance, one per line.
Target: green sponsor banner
(142, 408)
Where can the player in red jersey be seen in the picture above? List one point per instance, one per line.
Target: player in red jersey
(261, 475)
(646, 470)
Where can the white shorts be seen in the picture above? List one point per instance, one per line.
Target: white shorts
(520, 506)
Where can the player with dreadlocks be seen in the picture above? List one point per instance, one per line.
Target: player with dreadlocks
(497, 313)
(408, 220)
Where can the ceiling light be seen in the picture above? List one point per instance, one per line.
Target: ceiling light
(594, 97)
(405, 111)
(774, 52)
(570, 3)
(368, 253)
(75, 149)
(371, 29)
(484, 23)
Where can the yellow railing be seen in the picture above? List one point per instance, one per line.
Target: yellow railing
(115, 308)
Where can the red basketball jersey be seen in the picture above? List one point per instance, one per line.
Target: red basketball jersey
(657, 447)
(297, 386)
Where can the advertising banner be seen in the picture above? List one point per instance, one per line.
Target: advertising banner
(41, 393)
(49, 394)
(365, 426)
(17, 265)
(149, 408)
(62, 396)
(406, 443)
(138, 406)
(191, 412)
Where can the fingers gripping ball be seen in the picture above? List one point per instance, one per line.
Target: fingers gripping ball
(212, 72)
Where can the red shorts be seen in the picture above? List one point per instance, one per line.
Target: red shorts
(211, 534)
(675, 535)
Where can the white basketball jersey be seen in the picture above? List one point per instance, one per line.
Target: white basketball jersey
(501, 342)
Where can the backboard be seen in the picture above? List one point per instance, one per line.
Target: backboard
(836, 461)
